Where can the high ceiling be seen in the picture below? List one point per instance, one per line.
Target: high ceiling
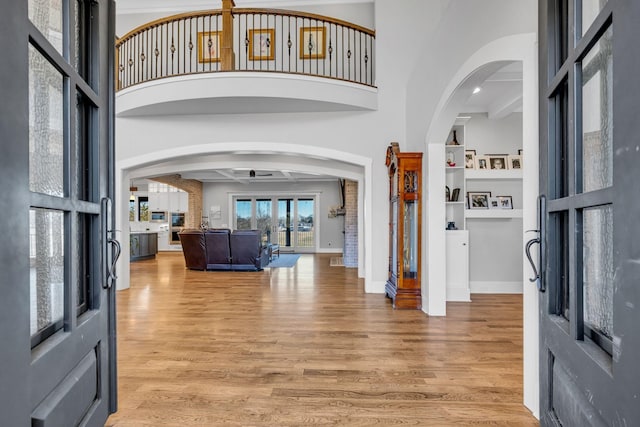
(153, 6)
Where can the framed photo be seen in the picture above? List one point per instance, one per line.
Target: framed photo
(479, 199)
(312, 42)
(262, 44)
(494, 203)
(469, 159)
(482, 162)
(505, 202)
(515, 162)
(498, 162)
(209, 46)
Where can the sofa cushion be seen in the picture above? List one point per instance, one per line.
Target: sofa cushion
(218, 251)
(246, 250)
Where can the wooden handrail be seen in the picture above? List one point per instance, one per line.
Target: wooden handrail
(239, 11)
(312, 16)
(168, 19)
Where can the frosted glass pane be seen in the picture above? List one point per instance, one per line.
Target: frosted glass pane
(590, 10)
(46, 144)
(46, 268)
(597, 252)
(46, 15)
(597, 116)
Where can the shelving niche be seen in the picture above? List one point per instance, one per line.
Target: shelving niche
(476, 228)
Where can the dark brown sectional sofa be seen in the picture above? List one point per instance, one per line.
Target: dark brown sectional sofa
(221, 249)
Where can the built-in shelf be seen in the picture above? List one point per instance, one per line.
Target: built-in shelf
(493, 213)
(453, 168)
(493, 174)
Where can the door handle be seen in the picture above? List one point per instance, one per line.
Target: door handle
(527, 251)
(111, 272)
(538, 277)
(108, 242)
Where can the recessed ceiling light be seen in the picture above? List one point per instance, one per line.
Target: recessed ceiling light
(477, 89)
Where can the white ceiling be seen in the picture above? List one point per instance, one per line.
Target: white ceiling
(500, 93)
(153, 6)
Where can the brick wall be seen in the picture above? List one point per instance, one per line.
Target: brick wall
(194, 190)
(351, 224)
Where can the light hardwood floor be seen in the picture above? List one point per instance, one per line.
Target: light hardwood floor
(306, 346)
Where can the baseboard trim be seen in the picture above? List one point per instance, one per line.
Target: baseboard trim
(458, 295)
(496, 287)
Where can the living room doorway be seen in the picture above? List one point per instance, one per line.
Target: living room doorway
(288, 221)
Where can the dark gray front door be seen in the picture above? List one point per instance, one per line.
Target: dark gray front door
(57, 364)
(590, 175)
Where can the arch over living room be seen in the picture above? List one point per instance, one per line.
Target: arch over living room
(160, 163)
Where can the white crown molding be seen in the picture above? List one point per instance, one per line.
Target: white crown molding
(124, 7)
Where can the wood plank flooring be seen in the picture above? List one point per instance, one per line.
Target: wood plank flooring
(306, 346)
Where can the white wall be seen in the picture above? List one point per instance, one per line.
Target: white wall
(500, 266)
(331, 238)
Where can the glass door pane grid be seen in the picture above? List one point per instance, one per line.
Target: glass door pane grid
(73, 162)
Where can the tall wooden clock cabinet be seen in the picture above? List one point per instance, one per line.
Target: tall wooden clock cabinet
(405, 227)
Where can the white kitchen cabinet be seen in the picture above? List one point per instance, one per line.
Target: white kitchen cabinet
(158, 201)
(178, 201)
(457, 279)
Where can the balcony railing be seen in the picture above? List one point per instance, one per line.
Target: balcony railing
(233, 39)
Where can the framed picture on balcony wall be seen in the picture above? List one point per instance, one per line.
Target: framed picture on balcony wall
(209, 46)
(261, 44)
(312, 42)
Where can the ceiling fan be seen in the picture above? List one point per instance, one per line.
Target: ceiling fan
(252, 174)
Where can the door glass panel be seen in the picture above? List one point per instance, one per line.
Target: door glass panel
(263, 218)
(46, 15)
(46, 272)
(590, 10)
(597, 275)
(285, 226)
(597, 115)
(85, 111)
(243, 214)
(558, 143)
(558, 268)
(46, 120)
(561, 34)
(85, 251)
(305, 231)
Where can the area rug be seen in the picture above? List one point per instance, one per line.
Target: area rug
(284, 260)
(336, 261)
